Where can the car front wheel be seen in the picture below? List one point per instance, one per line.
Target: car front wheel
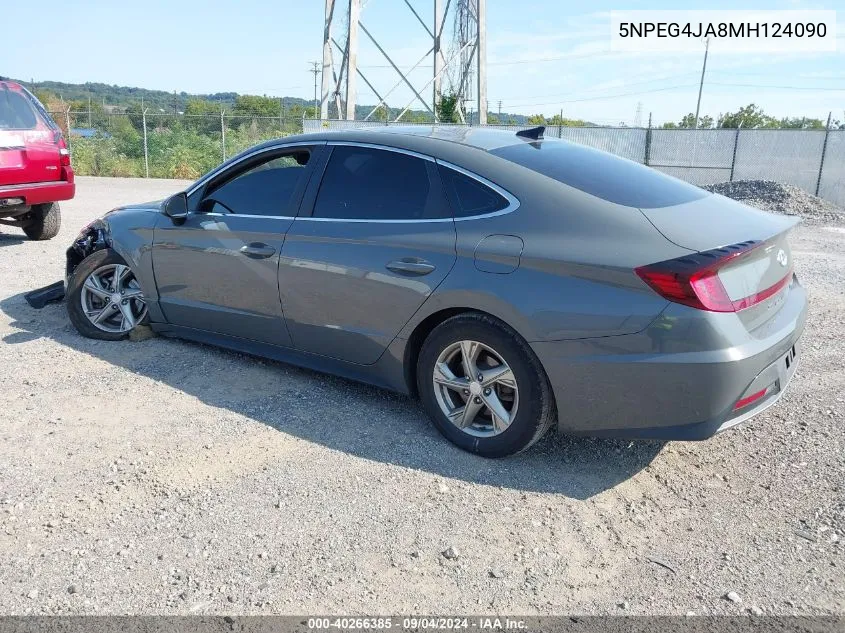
(483, 386)
(104, 300)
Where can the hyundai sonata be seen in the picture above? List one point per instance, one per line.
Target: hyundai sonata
(510, 282)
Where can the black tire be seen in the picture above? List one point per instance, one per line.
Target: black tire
(73, 294)
(46, 221)
(536, 412)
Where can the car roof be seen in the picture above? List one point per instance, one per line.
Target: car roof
(416, 137)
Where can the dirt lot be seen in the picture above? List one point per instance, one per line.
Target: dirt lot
(168, 477)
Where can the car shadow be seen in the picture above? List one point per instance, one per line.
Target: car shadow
(343, 415)
(10, 240)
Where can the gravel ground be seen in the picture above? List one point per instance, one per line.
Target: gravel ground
(168, 477)
(780, 198)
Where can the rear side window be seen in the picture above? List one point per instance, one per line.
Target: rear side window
(365, 183)
(16, 113)
(264, 189)
(602, 175)
(468, 196)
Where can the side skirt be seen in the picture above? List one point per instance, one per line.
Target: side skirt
(386, 373)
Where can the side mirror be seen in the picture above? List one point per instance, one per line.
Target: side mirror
(176, 207)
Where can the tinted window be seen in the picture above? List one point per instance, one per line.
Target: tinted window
(15, 111)
(470, 197)
(362, 183)
(602, 175)
(265, 189)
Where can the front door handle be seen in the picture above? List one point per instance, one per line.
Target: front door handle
(410, 266)
(257, 250)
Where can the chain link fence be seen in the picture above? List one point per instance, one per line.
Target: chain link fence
(160, 145)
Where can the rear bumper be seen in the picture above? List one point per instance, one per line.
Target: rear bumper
(39, 192)
(679, 379)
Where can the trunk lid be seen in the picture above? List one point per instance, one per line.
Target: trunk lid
(755, 266)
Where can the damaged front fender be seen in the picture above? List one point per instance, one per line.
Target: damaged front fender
(91, 239)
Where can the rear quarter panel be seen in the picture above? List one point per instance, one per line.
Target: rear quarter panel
(575, 275)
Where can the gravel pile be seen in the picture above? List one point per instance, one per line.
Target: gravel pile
(779, 198)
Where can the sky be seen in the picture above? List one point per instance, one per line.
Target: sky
(544, 56)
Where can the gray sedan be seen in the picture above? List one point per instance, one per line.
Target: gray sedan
(510, 282)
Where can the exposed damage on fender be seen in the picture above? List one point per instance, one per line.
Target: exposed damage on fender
(91, 239)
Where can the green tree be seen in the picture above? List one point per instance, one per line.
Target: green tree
(688, 121)
(536, 119)
(565, 122)
(748, 117)
(802, 123)
(382, 113)
(254, 105)
(447, 108)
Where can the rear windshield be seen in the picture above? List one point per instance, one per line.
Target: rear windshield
(600, 174)
(16, 113)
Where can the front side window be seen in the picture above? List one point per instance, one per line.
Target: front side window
(264, 189)
(470, 197)
(364, 183)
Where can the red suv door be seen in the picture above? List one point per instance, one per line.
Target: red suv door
(30, 142)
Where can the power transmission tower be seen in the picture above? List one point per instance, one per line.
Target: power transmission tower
(500, 110)
(315, 69)
(638, 117)
(472, 47)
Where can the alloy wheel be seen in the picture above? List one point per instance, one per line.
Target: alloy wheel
(112, 299)
(475, 388)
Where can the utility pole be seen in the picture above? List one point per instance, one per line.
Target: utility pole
(500, 110)
(439, 19)
(352, 57)
(328, 66)
(481, 49)
(701, 84)
(315, 69)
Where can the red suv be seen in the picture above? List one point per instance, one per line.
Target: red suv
(35, 170)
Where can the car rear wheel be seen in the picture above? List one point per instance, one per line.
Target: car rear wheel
(104, 300)
(45, 220)
(483, 386)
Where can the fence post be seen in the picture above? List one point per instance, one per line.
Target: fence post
(67, 124)
(736, 144)
(222, 135)
(824, 151)
(647, 157)
(146, 155)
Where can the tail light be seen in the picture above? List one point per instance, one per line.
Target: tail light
(693, 280)
(64, 153)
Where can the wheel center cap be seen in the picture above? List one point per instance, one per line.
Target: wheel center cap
(115, 298)
(475, 388)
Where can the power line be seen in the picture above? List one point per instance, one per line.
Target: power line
(713, 83)
(625, 85)
(669, 88)
(624, 94)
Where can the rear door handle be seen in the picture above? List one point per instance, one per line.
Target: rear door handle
(257, 250)
(410, 266)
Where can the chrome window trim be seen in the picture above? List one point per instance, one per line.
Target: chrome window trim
(387, 148)
(359, 220)
(246, 215)
(200, 183)
(513, 201)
